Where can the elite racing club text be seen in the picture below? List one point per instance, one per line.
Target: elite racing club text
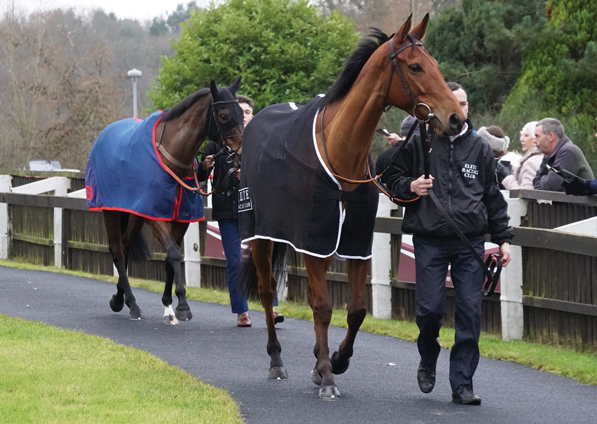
(470, 171)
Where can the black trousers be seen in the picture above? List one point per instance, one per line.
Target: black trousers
(432, 257)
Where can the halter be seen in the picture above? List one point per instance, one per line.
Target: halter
(414, 41)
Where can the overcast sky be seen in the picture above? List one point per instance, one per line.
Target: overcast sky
(132, 9)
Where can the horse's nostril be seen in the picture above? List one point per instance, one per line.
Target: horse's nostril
(455, 122)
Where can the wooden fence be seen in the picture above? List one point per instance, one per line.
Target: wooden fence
(550, 297)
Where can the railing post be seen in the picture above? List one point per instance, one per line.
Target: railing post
(381, 265)
(511, 280)
(192, 256)
(5, 187)
(62, 187)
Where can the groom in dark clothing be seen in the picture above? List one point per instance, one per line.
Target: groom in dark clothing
(462, 176)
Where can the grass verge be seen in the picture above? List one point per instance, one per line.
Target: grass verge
(54, 375)
(577, 365)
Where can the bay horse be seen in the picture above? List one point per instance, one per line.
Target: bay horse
(122, 182)
(300, 178)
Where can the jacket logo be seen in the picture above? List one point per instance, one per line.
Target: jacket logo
(244, 200)
(470, 171)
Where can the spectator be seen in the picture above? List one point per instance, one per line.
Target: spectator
(506, 162)
(225, 210)
(560, 153)
(383, 160)
(463, 177)
(522, 178)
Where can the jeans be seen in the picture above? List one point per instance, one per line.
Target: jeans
(231, 242)
(432, 257)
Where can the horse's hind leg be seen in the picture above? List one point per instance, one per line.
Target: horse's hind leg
(171, 238)
(262, 251)
(321, 305)
(116, 223)
(357, 278)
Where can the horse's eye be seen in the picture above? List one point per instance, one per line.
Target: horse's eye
(415, 67)
(224, 117)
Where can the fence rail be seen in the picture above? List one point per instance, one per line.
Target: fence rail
(548, 294)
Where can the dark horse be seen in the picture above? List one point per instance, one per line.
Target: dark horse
(130, 193)
(328, 170)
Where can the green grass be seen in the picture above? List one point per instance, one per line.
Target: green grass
(52, 375)
(577, 365)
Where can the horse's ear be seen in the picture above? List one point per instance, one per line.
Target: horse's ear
(213, 87)
(235, 85)
(403, 31)
(420, 29)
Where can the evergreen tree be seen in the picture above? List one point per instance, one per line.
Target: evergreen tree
(284, 49)
(560, 73)
(481, 46)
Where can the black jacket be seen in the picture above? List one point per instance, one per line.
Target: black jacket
(225, 196)
(465, 184)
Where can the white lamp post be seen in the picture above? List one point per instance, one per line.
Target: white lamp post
(134, 74)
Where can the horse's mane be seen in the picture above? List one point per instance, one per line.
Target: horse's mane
(179, 108)
(354, 64)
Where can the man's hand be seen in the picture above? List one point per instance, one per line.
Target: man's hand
(505, 254)
(393, 138)
(208, 162)
(421, 185)
(578, 187)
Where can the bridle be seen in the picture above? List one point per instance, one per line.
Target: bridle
(222, 142)
(414, 41)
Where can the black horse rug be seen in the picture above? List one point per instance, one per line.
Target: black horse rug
(287, 194)
(125, 173)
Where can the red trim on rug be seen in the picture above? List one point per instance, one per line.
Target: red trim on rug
(104, 208)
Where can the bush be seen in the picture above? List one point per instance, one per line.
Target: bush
(284, 49)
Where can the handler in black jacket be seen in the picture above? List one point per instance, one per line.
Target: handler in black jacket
(462, 175)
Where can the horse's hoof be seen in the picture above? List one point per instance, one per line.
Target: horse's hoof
(183, 314)
(316, 377)
(329, 392)
(136, 313)
(277, 373)
(337, 366)
(116, 305)
(170, 320)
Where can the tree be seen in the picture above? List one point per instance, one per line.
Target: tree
(481, 46)
(559, 76)
(384, 14)
(58, 89)
(284, 49)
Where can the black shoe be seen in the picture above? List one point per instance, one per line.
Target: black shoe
(464, 394)
(426, 378)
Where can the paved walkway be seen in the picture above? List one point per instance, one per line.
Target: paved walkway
(374, 390)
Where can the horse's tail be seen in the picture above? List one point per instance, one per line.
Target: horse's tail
(139, 251)
(249, 280)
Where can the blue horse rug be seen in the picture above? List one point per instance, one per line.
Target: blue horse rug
(125, 173)
(287, 193)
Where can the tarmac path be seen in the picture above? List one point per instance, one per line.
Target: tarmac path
(379, 387)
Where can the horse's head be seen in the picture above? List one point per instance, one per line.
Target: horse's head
(225, 120)
(419, 88)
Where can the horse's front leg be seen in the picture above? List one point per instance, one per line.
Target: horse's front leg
(262, 251)
(321, 305)
(357, 279)
(171, 238)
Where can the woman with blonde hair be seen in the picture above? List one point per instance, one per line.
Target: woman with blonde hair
(529, 164)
